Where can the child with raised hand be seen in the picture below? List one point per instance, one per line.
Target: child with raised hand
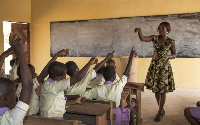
(13, 72)
(9, 113)
(37, 80)
(99, 79)
(52, 99)
(72, 70)
(111, 91)
(2, 58)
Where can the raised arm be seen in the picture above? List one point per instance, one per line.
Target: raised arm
(4, 55)
(79, 76)
(128, 67)
(44, 73)
(142, 37)
(101, 64)
(26, 79)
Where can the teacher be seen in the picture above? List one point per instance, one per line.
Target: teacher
(160, 78)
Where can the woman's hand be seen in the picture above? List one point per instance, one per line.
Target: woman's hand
(137, 30)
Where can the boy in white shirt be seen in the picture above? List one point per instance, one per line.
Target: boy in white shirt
(13, 71)
(112, 91)
(9, 113)
(2, 58)
(80, 87)
(99, 79)
(52, 99)
(37, 80)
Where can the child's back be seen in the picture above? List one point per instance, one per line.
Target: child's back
(52, 99)
(109, 91)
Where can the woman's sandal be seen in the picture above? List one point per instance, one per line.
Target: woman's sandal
(158, 118)
(163, 112)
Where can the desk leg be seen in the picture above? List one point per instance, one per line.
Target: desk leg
(101, 120)
(138, 102)
(111, 114)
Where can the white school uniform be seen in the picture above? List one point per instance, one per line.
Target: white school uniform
(2, 74)
(14, 116)
(99, 80)
(80, 87)
(34, 102)
(13, 73)
(110, 92)
(52, 99)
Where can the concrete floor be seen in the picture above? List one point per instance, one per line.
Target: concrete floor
(175, 104)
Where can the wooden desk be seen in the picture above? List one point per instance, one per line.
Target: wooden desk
(133, 88)
(88, 113)
(36, 120)
(124, 97)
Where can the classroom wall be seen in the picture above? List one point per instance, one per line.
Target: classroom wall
(15, 11)
(186, 71)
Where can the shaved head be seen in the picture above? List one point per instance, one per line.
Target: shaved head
(5, 86)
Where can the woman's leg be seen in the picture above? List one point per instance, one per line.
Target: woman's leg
(157, 95)
(190, 118)
(161, 105)
(162, 102)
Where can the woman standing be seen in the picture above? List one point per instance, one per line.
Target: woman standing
(160, 78)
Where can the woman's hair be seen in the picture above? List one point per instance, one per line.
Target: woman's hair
(56, 69)
(167, 25)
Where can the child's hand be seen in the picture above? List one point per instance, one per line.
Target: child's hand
(137, 30)
(80, 100)
(15, 43)
(110, 55)
(64, 52)
(133, 52)
(94, 60)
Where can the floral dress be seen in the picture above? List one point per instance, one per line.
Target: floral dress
(160, 76)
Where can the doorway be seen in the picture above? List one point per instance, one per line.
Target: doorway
(22, 30)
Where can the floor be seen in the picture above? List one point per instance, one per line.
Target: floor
(175, 104)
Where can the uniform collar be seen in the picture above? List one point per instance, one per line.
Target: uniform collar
(108, 82)
(50, 80)
(3, 110)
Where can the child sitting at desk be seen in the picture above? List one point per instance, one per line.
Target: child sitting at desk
(9, 113)
(99, 79)
(2, 58)
(111, 91)
(37, 80)
(52, 99)
(192, 114)
(72, 69)
(13, 71)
